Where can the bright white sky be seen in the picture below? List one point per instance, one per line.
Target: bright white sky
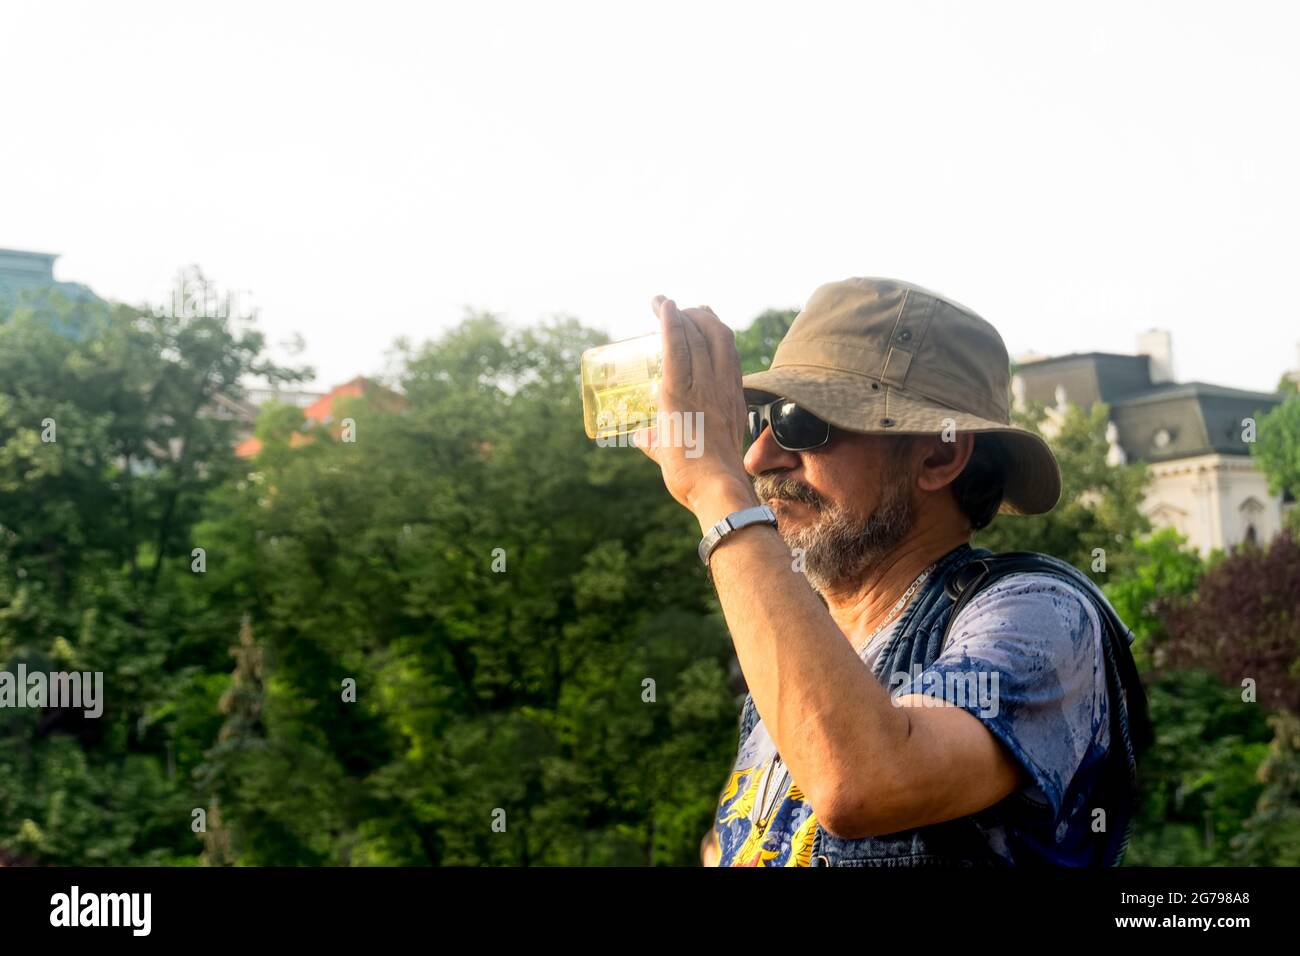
(1075, 173)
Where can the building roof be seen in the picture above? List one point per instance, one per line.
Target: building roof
(1163, 391)
(321, 411)
(1086, 376)
(1188, 419)
(1157, 421)
(33, 273)
(1070, 356)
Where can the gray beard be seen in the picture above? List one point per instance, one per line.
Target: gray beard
(840, 549)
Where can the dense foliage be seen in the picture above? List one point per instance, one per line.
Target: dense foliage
(463, 633)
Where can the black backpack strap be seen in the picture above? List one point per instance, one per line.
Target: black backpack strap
(1131, 726)
(981, 572)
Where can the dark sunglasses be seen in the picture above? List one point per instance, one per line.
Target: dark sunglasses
(793, 427)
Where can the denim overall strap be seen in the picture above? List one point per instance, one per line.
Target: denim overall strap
(914, 646)
(915, 642)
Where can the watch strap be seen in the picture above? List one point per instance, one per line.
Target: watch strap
(759, 514)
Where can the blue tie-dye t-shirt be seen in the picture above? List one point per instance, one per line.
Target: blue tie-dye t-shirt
(1039, 637)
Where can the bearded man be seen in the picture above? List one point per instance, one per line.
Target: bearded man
(912, 700)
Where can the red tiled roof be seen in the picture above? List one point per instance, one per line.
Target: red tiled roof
(321, 411)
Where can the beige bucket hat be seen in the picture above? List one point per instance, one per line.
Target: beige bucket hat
(889, 357)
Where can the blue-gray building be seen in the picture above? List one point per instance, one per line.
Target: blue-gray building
(33, 273)
(27, 282)
(1193, 436)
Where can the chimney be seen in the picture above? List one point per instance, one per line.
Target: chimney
(1159, 345)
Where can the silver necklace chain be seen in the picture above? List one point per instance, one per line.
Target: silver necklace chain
(898, 606)
(765, 811)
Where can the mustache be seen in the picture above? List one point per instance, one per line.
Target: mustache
(783, 487)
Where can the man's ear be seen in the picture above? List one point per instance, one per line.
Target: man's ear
(942, 461)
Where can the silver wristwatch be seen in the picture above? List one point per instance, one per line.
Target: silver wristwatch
(759, 514)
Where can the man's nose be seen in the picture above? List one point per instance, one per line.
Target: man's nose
(766, 455)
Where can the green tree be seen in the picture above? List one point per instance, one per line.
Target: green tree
(1098, 515)
(500, 589)
(1199, 783)
(108, 451)
(1277, 451)
(1163, 569)
(1211, 756)
(757, 342)
(1271, 836)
